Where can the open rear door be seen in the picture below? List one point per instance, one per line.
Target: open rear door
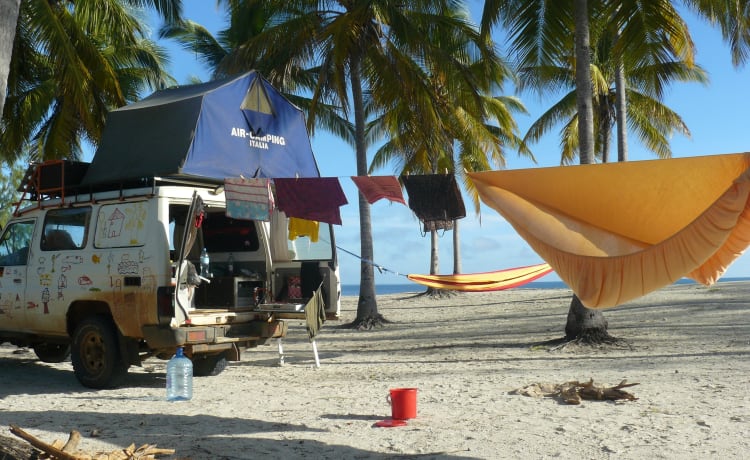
(185, 289)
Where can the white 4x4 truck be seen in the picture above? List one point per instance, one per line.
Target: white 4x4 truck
(99, 260)
(109, 278)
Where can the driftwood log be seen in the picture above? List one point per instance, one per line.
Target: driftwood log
(68, 450)
(573, 392)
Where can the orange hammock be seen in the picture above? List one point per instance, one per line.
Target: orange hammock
(482, 282)
(617, 231)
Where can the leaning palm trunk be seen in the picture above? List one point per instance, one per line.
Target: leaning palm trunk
(8, 20)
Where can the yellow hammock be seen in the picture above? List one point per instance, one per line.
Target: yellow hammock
(481, 282)
(614, 232)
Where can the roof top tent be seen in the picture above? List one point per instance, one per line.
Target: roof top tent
(240, 126)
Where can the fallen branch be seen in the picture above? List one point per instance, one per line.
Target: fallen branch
(573, 392)
(67, 451)
(53, 452)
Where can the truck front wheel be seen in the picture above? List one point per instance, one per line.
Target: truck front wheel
(97, 362)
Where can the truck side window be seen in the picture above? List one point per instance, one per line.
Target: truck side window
(65, 229)
(14, 245)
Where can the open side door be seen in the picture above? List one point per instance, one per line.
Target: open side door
(185, 284)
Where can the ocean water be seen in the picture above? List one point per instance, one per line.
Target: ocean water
(382, 289)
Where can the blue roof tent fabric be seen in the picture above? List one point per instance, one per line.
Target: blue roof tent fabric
(211, 131)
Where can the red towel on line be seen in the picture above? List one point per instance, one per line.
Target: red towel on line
(376, 187)
(311, 198)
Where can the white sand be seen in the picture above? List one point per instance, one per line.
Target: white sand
(690, 353)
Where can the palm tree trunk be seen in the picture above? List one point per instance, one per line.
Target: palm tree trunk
(605, 132)
(584, 91)
(456, 249)
(583, 322)
(367, 307)
(8, 21)
(434, 253)
(621, 105)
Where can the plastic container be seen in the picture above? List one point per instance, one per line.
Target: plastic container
(205, 264)
(403, 403)
(179, 377)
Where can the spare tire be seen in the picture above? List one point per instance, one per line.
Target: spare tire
(209, 365)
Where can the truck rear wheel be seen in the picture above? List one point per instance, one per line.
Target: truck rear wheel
(52, 352)
(96, 357)
(209, 365)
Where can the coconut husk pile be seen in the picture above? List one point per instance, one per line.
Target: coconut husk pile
(573, 392)
(59, 450)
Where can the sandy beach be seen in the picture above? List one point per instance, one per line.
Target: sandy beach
(689, 353)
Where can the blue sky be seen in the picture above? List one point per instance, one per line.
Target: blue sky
(715, 114)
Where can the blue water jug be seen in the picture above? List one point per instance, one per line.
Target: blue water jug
(179, 377)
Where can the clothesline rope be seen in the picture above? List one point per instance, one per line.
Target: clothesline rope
(380, 268)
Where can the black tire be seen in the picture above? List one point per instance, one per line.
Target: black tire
(97, 362)
(52, 352)
(209, 365)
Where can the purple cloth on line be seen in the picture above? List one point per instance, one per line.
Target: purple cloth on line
(311, 198)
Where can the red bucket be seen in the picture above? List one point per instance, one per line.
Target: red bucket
(403, 403)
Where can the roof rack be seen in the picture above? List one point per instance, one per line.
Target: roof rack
(50, 179)
(54, 180)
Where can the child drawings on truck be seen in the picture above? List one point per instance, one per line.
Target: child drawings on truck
(62, 283)
(6, 307)
(115, 222)
(45, 300)
(45, 279)
(127, 266)
(148, 280)
(121, 225)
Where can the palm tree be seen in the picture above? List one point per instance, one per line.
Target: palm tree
(363, 56)
(464, 129)
(536, 29)
(72, 62)
(451, 112)
(653, 122)
(537, 32)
